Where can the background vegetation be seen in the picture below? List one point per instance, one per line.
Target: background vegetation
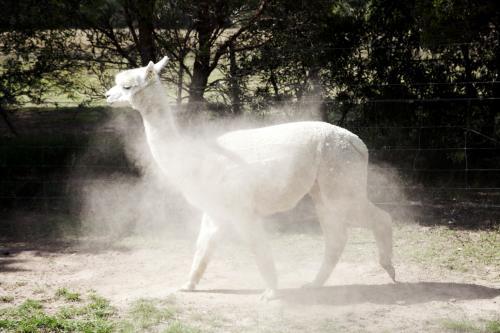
(417, 79)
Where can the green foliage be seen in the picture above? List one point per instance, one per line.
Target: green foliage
(348, 55)
(34, 64)
(350, 47)
(344, 49)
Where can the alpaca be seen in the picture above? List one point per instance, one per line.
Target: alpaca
(249, 174)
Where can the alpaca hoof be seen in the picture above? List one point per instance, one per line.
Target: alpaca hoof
(187, 287)
(268, 295)
(391, 271)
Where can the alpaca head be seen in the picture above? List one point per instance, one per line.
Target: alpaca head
(131, 83)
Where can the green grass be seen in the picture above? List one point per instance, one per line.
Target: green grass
(31, 316)
(467, 326)
(100, 306)
(476, 251)
(493, 326)
(145, 314)
(148, 315)
(461, 326)
(90, 314)
(68, 295)
(457, 250)
(178, 327)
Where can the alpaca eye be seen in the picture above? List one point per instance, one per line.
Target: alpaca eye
(127, 87)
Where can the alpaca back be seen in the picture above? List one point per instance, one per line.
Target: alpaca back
(271, 168)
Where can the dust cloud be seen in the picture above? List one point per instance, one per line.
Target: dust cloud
(131, 199)
(140, 202)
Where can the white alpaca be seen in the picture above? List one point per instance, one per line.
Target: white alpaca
(248, 174)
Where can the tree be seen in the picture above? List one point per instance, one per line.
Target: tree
(133, 32)
(313, 49)
(34, 60)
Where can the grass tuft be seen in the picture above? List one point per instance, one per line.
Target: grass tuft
(6, 299)
(68, 295)
(466, 326)
(99, 307)
(178, 327)
(461, 326)
(145, 314)
(493, 326)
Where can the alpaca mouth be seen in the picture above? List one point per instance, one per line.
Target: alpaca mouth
(115, 102)
(112, 99)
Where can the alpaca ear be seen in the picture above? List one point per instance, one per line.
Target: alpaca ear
(161, 64)
(150, 71)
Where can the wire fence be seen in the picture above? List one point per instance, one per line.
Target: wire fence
(450, 162)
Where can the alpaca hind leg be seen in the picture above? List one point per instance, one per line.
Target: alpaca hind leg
(205, 246)
(256, 238)
(267, 269)
(382, 230)
(332, 223)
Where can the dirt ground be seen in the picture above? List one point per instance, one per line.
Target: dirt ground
(359, 296)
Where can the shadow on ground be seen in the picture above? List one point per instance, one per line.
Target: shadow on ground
(11, 259)
(10, 265)
(399, 293)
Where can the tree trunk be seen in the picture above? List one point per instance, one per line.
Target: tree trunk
(212, 17)
(201, 67)
(180, 81)
(199, 81)
(234, 82)
(274, 84)
(145, 24)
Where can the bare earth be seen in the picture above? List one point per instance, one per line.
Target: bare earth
(359, 297)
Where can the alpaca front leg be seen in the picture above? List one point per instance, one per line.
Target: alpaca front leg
(205, 246)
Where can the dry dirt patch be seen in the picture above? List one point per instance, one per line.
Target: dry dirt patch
(359, 296)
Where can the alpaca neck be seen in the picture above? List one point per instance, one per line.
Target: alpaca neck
(166, 144)
(152, 104)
